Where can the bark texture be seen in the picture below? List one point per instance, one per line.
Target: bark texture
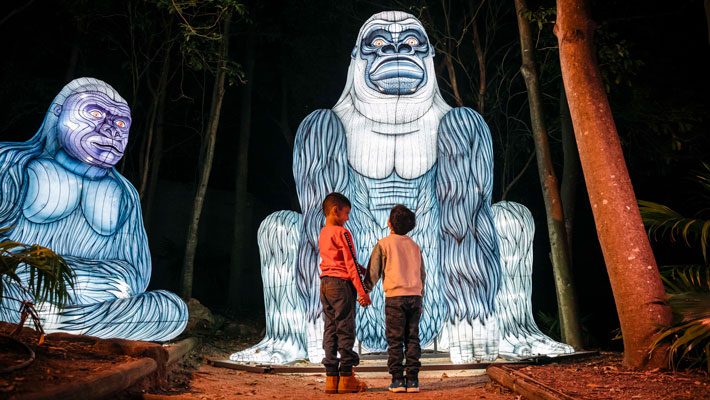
(566, 298)
(206, 156)
(634, 277)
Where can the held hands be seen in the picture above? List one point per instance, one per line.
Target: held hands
(364, 300)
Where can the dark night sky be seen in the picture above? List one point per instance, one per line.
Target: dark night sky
(307, 45)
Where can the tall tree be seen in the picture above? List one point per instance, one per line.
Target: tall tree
(634, 277)
(566, 297)
(206, 157)
(205, 45)
(570, 171)
(241, 210)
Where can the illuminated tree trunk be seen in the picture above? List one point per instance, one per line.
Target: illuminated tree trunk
(241, 210)
(632, 269)
(206, 156)
(566, 298)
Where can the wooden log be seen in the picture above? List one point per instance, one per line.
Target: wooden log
(101, 385)
(524, 385)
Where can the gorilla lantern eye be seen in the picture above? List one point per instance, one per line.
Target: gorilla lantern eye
(96, 113)
(120, 124)
(378, 43)
(412, 42)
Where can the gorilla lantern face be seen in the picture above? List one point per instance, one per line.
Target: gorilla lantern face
(93, 129)
(395, 58)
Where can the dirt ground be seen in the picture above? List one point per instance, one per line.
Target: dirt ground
(57, 361)
(603, 377)
(594, 378)
(215, 383)
(62, 359)
(200, 380)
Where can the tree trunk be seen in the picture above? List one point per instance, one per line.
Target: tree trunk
(156, 155)
(566, 298)
(481, 57)
(241, 210)
(452, 78)
(206, 156)
(158, 103)
(707, 16)
(634, 277)
(570, 173)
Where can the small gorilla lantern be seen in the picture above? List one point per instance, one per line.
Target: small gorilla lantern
(60, 190)
(391, 139)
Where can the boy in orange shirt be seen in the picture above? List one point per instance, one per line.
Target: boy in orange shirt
(398, 259)
(340, 281)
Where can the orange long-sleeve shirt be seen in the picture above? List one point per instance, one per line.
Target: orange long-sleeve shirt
(338, 261)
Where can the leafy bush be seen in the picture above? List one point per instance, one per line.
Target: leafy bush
(687, 286)
(50, 278)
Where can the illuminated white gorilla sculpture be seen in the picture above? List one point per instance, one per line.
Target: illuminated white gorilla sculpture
(59, 189)
(391, 139)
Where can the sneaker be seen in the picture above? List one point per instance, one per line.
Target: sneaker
(398, 385)
(412, 385)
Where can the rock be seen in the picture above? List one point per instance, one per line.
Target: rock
(200, 317)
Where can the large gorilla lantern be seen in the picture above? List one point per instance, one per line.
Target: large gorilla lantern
(60, 190)
(391, 139)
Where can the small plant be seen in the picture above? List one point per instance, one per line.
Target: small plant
(50, 278)
(687, 286)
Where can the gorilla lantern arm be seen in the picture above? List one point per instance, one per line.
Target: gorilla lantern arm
(469, 255)
(320, 167)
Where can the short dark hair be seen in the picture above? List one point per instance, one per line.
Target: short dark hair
(402, 219)
(335, 199)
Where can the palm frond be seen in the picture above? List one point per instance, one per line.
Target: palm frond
(50, 277)
(685, 278)
(690, 328)
(663, 221)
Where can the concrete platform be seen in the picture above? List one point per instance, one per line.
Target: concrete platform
(433, 364)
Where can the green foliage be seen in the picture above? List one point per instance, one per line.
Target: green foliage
(50, 276)
(541, 16)
(688, 286)
(689, 333)
(201, 23)
(617, 64)
(549, 324)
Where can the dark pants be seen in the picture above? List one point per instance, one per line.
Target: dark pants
(338, 299)
(402, 314)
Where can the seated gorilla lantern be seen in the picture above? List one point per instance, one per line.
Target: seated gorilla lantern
(391, 139)
(60, 190)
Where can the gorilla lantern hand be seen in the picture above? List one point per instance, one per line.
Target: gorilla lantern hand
(60, 190)
(391, 139)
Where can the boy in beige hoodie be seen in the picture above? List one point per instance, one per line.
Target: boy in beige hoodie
(398, 260)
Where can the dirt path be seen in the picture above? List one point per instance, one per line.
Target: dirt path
(209, 382)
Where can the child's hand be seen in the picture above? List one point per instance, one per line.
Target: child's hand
(364, 300)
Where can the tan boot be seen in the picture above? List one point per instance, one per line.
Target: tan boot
(350, 384)
(331, 384)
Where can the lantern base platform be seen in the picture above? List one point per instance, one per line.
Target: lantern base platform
(377, 362)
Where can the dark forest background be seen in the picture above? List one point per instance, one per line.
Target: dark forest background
(289, 58)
